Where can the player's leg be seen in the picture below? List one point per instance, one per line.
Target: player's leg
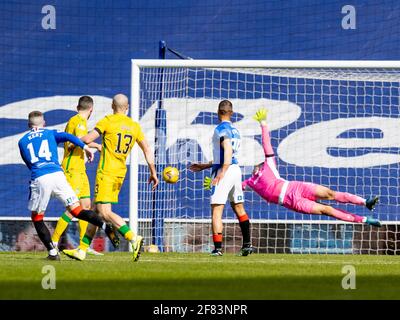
(299, 197)
(40, 194)
(106, 193)
(219, 196)
(44, 235)
(236, 198)
(86, 234)
(325, 193)
(343, 215)
(61, 226)
(80, 252)
(217, 228)
(88, 215)
(107, 190)
(83, 226)
(77, 182)
(86, 205)
(63, 191)
(136, 241)
(244, 223)
(95, 221)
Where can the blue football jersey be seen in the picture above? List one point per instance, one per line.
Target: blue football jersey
(38, 149)
(224, 130)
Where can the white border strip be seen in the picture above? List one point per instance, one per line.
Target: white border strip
(134, 160)
(265, 63)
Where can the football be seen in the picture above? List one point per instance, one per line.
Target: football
(171, 174)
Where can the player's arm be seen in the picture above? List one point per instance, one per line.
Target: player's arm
(91, 137)
(261, 117)
(148, 155)
(266, 141)
(244, 184)
(95, 145)
(226, 144)
(196, 167)
(64, 137)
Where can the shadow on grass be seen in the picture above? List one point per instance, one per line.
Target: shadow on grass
(263, 288)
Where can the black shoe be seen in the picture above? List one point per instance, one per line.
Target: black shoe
(245, 251)
(371, 202)
(53, 258)
(110, 232)
(373, 222)
(216, 253)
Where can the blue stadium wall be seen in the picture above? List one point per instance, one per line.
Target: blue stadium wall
(90, 49)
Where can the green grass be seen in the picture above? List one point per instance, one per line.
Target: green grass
(199, 276)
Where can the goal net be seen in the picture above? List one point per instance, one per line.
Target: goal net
(332, 123)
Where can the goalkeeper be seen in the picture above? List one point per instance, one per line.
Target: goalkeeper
(300, 196)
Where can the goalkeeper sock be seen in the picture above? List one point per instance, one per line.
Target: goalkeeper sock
(345, 197)
(244, 224)
(126, 232)
(217, 238)
(85, 243)
(43, 232)
(82, 229)
(346, 216)
(62, 224)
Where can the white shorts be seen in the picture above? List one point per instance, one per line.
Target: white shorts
(52, 184)
(230, 186)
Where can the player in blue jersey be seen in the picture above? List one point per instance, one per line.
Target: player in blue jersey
(226, 179)
(38, 149)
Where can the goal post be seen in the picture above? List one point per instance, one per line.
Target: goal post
(333, 123)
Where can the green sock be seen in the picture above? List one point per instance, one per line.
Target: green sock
(126, 232)
(85, 243)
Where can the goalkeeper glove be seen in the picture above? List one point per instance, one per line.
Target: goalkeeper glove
(207, 183)
(261, 115)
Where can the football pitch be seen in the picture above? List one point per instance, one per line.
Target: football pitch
(199, 276)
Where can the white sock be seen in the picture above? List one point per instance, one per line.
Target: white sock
(53, 252)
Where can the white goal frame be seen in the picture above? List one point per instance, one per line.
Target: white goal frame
(136, 64)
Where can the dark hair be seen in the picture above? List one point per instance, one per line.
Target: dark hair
(85, 103)
(225, 103)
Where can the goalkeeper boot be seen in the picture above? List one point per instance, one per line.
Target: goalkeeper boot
(246, 250)
(216, 253)
(112, 235)
(76, 254)
(373, 222)
(94, 252)
(136, 244)
(371, 202)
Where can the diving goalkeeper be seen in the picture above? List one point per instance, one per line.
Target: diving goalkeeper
(300, 196)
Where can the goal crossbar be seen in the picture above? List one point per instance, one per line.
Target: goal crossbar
(333, 64)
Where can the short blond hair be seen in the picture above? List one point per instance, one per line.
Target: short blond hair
(35, 118)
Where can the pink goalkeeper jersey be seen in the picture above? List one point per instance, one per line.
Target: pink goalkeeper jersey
(267, 181)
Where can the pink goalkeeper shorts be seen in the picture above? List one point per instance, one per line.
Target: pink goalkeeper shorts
(300, 196)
